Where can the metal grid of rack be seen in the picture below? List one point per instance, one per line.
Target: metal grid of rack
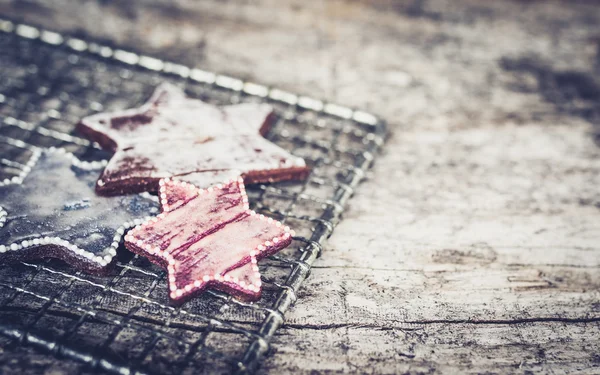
(122, 322)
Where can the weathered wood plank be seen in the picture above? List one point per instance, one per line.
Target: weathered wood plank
(555, 348)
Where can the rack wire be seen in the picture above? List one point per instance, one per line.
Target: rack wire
(54, 317)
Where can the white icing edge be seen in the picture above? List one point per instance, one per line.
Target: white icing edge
(3, 215)
(106, 256)
(177, 293)
(16, 180)
(37, 152)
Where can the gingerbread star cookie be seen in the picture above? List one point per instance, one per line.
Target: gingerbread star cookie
(208, 238)
(54, 212)
(175, 136)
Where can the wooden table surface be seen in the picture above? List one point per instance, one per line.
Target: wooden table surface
(474, 244)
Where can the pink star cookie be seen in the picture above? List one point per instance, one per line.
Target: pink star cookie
(208, 238)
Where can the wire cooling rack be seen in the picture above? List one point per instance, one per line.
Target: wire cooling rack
(55, 318)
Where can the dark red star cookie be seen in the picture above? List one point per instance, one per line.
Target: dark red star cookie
(208, 238)
(175, 136)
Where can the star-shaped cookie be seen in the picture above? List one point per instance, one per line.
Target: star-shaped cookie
(54, 212)
(208, 238)
(175, 136)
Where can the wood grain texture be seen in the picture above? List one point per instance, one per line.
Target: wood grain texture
(473, 246)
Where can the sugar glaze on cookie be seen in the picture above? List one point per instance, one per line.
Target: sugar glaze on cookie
(208, 238)
(175, 136)
(52, 210)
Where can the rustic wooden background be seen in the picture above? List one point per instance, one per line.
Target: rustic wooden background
(474, 245)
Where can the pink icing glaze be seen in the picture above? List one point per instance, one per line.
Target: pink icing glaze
(208, 237)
